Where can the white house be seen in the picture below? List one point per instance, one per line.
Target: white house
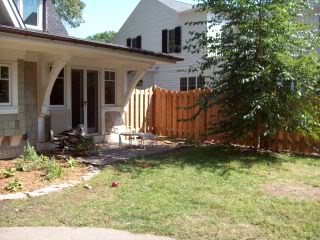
(49, 80)
(159, 25)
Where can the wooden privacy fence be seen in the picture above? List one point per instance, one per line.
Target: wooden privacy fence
(158, 110)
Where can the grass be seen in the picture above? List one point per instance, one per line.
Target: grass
(200, 193)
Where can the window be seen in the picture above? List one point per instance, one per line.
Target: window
(57, 93)
(191, 83)
(4, 84)
(140, 83)
(171, 40)
(201, 82)
(184, 84)
(31, 12)
(109, 87)
(134, 42)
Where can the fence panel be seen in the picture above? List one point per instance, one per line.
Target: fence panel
(161, 112)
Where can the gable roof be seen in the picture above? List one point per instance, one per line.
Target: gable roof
(177, 5)
(54, 24)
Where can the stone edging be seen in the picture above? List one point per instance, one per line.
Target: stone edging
(49, 189)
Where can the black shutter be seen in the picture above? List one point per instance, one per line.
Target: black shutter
(165, 41)
(128, 42)
(178, 39)
(139, 44)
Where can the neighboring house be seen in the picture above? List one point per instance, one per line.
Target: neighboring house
(159, 25)
(51, 81)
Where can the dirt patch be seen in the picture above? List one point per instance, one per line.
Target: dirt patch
(294, 190)
(35, 180)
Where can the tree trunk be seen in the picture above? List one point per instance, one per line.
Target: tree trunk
(260, 53)
(257, 134)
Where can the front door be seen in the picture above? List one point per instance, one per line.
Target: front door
(84, 98)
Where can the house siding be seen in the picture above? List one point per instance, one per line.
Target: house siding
(148, 20)
(26, 121)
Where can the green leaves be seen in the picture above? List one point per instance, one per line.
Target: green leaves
(266, 62)
(106, 36)
(70, 11)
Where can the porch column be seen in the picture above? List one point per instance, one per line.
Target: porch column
(47, 81)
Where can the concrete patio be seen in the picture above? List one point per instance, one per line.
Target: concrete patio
(108, 153)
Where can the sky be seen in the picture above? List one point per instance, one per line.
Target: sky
(105, 15)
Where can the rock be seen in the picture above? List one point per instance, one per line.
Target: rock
(88, 187)
(14, 196)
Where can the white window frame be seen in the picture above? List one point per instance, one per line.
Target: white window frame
(12, 106)
(40, 15)
(188, 77)
(64, 90)
(115, 87)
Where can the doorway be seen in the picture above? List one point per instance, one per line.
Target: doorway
(84, 99)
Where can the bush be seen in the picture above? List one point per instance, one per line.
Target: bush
(53, 170)
(14, 185)
(72, 163)
(84, 145)
(8, 172)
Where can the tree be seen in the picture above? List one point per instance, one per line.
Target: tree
(267, 67)
(106, 36)
(70, 11)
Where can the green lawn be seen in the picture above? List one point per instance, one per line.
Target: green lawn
(200, 193)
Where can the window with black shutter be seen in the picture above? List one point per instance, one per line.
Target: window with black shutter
(139, 42)
(171, 40)
(165, 41)
(178, 39)
(128, 42)
(135, 42)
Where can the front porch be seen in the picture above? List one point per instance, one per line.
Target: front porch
(62, 83)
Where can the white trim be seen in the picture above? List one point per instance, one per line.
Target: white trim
(9, 103)
(13, 13)
(39, 15)
(12, 106)
(9, 110)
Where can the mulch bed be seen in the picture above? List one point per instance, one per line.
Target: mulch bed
(35, 180)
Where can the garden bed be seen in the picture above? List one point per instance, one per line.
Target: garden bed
(38, 173)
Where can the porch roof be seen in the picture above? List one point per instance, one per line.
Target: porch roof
(83, 42)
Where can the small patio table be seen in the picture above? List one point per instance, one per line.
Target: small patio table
(141, 135)
(131, 136)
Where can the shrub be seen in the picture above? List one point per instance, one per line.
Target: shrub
(72, 163)
(8, 172)
(30, 153)
(53, 170)
(14, 185)
(84, 145)
(30, 160)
